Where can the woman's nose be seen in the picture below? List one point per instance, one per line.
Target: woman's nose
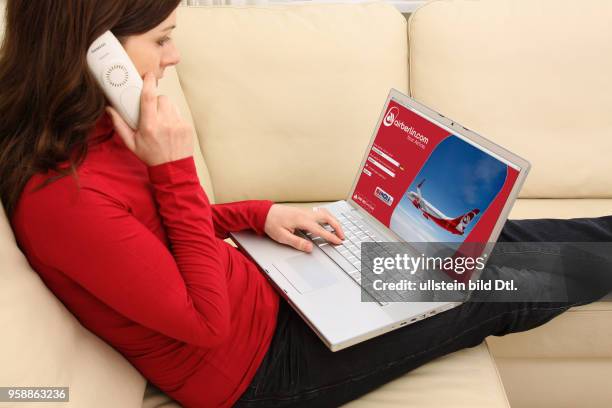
(172, 57)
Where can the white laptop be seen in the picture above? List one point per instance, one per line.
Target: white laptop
(423, 178)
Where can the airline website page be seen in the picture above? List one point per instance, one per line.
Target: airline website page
(429, 185)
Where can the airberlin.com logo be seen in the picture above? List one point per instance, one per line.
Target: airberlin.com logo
(391, 118)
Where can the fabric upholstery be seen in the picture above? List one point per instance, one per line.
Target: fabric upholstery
(42, 344)
(557, 382)
(467, 378)
(561, 208)
(295, 84)
(531, 76)
(581, 332)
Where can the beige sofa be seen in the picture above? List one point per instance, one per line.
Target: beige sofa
(284, 99)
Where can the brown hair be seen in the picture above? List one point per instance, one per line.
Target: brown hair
(49, 102)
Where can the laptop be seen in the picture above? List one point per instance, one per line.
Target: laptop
(424, 178)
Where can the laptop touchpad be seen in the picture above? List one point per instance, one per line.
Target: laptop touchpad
(305, 273)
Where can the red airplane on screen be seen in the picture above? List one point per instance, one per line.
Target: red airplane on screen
(453, 225)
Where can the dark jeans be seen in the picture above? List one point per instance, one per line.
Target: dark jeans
(299, 370)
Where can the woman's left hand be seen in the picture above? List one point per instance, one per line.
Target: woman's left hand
(283, 220)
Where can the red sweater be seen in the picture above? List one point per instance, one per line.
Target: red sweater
(137, 255)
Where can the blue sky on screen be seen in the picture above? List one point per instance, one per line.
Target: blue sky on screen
(458, 178)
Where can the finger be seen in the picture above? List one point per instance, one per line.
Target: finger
(322, 215)
(125, 131)
(165, 109)
(294, 241)
(318, 230)
(163, 103)
(148, 101)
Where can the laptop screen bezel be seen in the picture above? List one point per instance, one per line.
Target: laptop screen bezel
(519, 163)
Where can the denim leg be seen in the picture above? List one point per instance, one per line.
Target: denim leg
(584, 246)
(558, 230)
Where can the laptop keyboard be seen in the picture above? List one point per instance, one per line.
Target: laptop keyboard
(348, 254)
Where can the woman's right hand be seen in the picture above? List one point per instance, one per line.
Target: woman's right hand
(162, 135)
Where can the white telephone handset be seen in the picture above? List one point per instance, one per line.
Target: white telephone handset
(117, 75)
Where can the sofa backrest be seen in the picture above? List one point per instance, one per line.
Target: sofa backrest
(285, 97)
(532, 76)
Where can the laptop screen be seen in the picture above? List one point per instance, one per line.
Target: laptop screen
(428, 184)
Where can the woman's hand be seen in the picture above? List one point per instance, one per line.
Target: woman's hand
(162, 135)
(282, 221)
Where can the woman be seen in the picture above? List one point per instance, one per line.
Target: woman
(118, 227)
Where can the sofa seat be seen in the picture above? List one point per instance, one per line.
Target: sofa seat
(467, 378)
(572, 353)
(581, 332)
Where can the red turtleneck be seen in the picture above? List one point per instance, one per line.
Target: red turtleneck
(137, 255)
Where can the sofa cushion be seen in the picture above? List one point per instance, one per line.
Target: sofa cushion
(561, 208)
(581, 332)
(42, 344)
(155, 398)
(272, 86)
(467, 378)
(528, 76)
(557, 382)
